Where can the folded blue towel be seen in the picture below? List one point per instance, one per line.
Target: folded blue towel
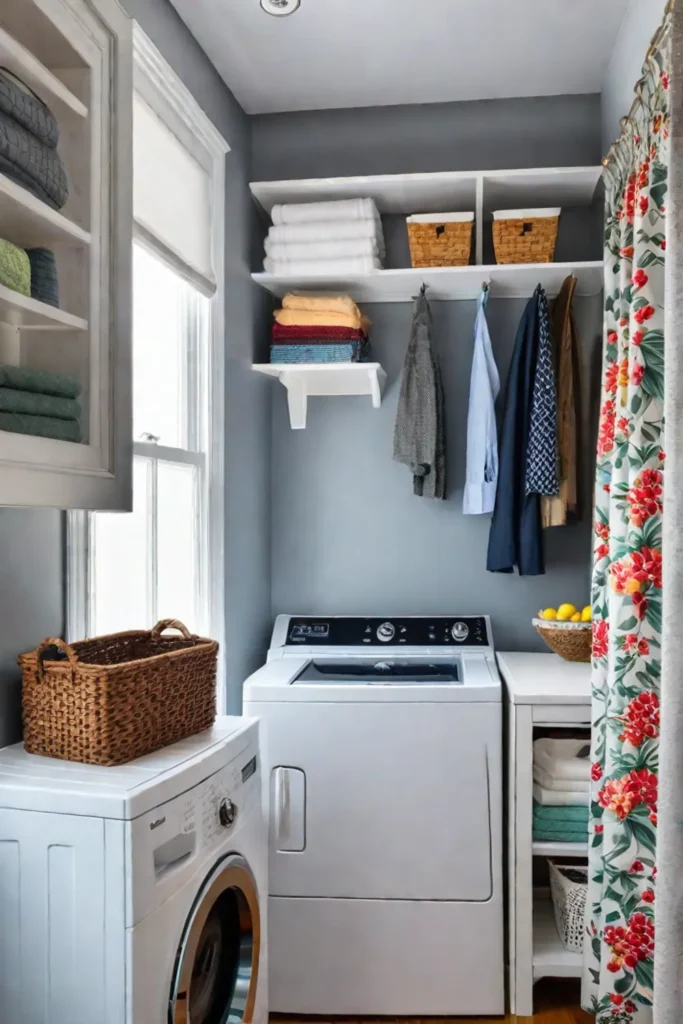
(336, 352)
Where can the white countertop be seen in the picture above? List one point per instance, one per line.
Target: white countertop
(533, 678)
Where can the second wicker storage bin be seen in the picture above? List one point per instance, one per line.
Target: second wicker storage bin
(525, 236)
(440, 239)
(114, 698)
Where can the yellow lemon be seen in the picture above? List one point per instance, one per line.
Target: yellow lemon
(576, 617)
(565, 612)
(549, 614)
(587, 614)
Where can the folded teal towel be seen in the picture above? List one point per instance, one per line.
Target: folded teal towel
(574, 827)
(564, 812)
(559, 835)
(40, 426)
(31, 402)
(39, 381)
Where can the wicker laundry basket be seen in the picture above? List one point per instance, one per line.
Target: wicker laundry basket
(440, 239)
(113, 698)
(573, 641)
(525, 236)
(569, 888)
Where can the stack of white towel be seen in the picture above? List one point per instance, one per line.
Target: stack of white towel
(331, 238)
(562, 771)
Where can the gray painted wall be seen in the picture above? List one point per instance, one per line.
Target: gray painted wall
(247, 399)
(348, 536)
(640, 24)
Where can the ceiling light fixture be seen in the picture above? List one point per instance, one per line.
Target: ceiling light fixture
(280, 8)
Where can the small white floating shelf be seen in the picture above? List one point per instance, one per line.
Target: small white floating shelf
(304, 379)
(21, 62)
(26, 221)
(28, 314)
(516, 281)
(550, 958)
(443, 190)
(542, 849)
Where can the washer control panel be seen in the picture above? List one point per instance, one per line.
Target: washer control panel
(422, 631)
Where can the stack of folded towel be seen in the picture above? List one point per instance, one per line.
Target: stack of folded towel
(39, 403)
(28, 142)
(340, 237)
(561, 790)
(319, 329)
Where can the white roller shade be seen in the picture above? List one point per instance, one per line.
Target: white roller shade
(171, 198)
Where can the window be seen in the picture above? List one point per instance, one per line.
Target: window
(165, 558)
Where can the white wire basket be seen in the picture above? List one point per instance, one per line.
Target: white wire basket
(569, 889)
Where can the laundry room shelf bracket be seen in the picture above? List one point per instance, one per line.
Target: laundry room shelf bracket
(304, 379)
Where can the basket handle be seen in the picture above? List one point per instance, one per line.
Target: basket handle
(163, 624)
(53, 641)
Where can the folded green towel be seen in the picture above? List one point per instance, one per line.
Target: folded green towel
(573, 827)
(31, 402)
(563, 812)
(559, 835)
(39, 381)
(15, 268)
(40, 426)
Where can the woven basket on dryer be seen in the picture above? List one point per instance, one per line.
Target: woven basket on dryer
(573, 641)
(525, 236)
(113, 698)
(440, 239)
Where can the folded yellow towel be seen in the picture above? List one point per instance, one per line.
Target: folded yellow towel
(321, 303)
(304, 318)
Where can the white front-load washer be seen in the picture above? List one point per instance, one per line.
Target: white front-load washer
(135, 894)
(382, 755)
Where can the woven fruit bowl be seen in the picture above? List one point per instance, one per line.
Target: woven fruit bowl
(573, 641)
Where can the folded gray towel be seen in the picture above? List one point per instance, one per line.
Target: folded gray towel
(40, 426)
(21, 103)
(32, 164)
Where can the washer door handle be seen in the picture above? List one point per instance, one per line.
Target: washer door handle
(288, 800)
(282, 797)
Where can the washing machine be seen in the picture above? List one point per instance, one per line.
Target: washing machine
(382, 756)
(135, 894)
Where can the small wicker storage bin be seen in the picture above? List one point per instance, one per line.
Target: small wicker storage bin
(114, 698)
(525, 236)
(573, 641)
(569, 888)
(440, 239)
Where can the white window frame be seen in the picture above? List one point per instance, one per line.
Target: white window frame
(169, 98)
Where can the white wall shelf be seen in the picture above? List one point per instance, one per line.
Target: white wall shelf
(442, 191)
(28, 314)
(22, 63)
(514, 282)
(27, 221)
(550, 958)
(542, 849)
(304, 379)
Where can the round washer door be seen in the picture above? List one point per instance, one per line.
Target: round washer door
(216, 968)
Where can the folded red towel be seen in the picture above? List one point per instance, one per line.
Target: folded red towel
(284, 333)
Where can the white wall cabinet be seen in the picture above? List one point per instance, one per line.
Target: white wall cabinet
(76, 56)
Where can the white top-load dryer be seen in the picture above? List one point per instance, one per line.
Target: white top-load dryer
(135, 894)
(382, 756)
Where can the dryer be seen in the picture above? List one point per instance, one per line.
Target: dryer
(382, 750)
(135, 894)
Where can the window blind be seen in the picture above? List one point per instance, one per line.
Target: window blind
(171, 199)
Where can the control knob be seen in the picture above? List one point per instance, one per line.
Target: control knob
(386, 632)
(460, 631)
(227, 812)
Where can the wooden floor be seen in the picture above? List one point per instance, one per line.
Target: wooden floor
(556, 1003)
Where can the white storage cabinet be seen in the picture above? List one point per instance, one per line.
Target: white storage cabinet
(76, 55)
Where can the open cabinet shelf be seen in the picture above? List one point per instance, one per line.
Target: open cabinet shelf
(543, 849)
(304, 379)
(22, 63)
(28, 314)
(27, 221)
(550, 958)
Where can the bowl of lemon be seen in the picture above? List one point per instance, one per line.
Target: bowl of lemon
(567, 631)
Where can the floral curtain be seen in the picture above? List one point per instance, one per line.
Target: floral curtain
(627, 575)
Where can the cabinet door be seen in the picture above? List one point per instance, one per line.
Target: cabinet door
(76, 56)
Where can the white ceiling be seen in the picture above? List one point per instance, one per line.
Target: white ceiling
(357, 53)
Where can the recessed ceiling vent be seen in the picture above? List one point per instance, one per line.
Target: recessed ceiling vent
(280, 8)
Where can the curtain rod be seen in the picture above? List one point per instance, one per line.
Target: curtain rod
(638, 101)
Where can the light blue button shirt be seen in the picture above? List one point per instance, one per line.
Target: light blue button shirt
(482, 436)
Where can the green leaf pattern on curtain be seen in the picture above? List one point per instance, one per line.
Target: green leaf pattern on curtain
(627, 574)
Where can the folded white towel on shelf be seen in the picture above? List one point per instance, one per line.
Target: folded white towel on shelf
(313, 268)
(338, 209)
(559, 785)
(328, 230)
(322, 250)
(559, 798)
(560, 758)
